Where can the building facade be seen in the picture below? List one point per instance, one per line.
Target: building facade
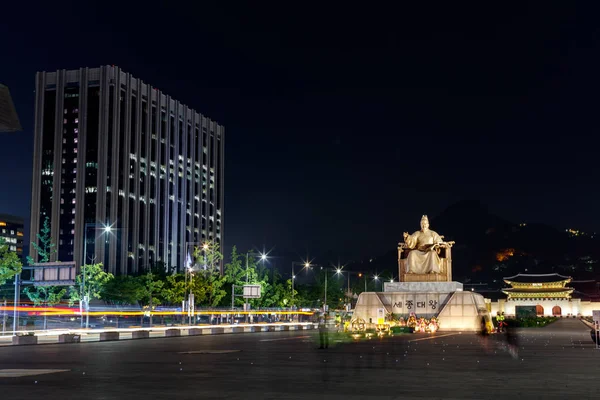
(111, 150)
(11, 230)
(545, 294)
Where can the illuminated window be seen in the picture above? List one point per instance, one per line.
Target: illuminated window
(73, 201)
(76, 120)
(75, 110)
(75, 140)
(65, 121)
(76, 131)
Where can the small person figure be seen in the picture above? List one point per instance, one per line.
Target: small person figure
(323, 332)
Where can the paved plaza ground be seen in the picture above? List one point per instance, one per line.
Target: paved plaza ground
(558, 361)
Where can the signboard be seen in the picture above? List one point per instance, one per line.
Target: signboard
(251, 292)
(596, 315)
(525, 311)
(380, 315)
(52, 273)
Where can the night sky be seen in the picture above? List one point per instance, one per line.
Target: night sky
(345, 125)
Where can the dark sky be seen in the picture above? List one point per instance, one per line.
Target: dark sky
(345, 125)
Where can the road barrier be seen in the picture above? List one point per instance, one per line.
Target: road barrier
(139, 333)
(108, 336)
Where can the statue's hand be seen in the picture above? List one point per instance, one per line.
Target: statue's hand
(405, 235)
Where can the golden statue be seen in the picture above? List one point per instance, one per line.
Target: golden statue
(426, 253)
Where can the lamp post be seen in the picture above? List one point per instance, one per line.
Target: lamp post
(338, 271)
(106, 229)
(189, 268)
(305, 265)
(262, 256)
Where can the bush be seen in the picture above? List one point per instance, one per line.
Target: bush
(537, 322)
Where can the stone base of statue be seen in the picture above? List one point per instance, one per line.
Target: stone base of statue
(454, 310)
(442, 287)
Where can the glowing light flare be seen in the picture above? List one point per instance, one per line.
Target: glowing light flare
(55, 311)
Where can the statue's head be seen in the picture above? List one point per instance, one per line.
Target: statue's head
(424, 223)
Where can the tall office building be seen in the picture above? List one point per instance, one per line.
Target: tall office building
(111, 150)
(11, 230)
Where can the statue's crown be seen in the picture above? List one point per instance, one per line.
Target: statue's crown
(424, 218)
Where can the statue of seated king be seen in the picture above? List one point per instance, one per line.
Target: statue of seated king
(425, 256)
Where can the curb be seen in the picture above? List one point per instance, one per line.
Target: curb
(144, 333)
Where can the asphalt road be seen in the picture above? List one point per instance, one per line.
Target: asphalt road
(558, 361)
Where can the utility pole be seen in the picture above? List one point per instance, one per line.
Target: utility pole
(16, 304)
(4, 318)
(325, 305)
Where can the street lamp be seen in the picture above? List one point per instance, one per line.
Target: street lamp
(305, 265)
(261, 256)
(338, 272)
(376, 278)
(105, 229)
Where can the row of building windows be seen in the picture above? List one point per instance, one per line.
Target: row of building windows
(9, 239)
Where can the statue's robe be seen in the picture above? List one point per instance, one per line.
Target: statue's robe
(423, 260)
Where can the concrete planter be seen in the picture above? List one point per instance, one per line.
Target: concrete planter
(24, 340)
(140, 334)
(195, 332)
(269, 329)
(237, 329)
(256, 328)
(109, 336)
(213, 331)
(69, 338)
(172, 332)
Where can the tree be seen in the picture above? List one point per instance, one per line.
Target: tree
(235, 274)
(45, 248)
(10, 265)
(150, 285)
(46, 296)
(213, 282)
(209, 253)
(122, 290)
(95, 281)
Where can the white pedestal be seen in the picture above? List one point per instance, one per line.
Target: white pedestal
(422, 287)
